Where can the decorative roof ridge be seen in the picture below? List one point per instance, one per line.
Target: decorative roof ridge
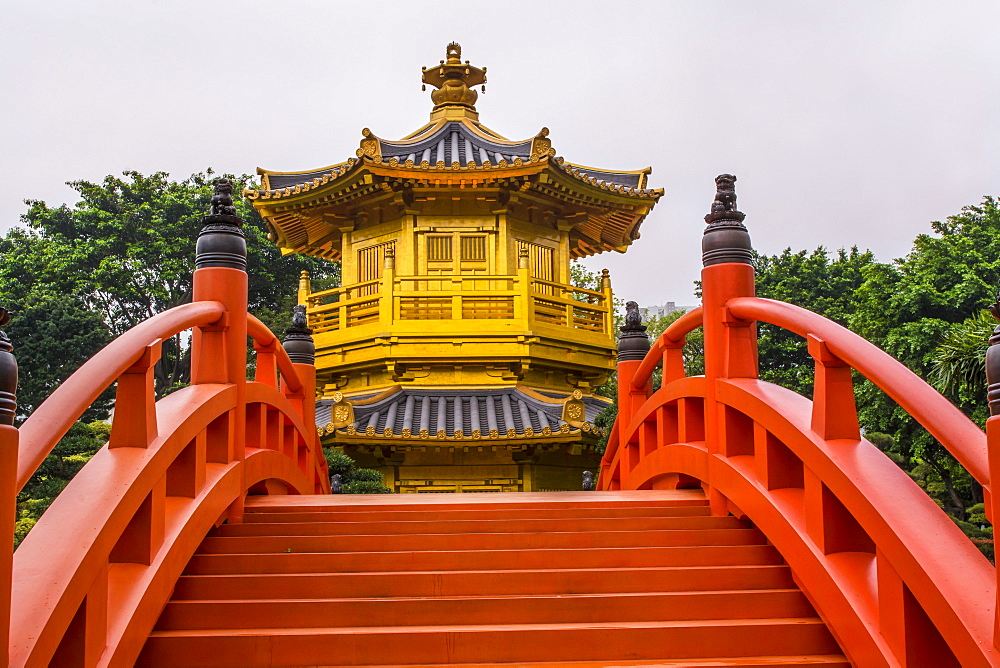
(384, 394)
(395, 163)
(286, 191)
(426, 129)
(580, 173)
(538, 396)
(645, 170)
(354, 164)
(431, 129)
(267, 172)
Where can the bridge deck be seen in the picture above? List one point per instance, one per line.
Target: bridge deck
(561, 579)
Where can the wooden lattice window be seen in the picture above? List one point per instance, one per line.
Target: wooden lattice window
(439, 248)
(474, 248)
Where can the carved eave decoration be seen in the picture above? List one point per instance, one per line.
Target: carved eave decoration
(307, 217)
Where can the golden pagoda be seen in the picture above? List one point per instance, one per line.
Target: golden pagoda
(457, 356)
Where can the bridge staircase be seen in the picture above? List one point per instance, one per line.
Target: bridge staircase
(737, 522)
(626, 578)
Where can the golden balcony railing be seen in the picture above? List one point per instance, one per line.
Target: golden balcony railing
(517, 298)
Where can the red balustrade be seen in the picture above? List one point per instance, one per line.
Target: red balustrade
(893, 577)
(91, 578)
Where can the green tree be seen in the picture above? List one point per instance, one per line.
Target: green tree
(76, 276)
(353, 479)
(52, 336)
(70, 454)
(125, 251)
(813, 280)
(909, 308)
(957, 364)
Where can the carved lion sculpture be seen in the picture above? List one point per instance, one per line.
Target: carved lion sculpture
(222, 200)
(632, 318)
(299, 316)
(725, 195)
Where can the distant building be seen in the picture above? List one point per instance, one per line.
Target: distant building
(648, 312)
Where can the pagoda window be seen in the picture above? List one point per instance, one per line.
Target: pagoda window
(473, 248)
(439, 247)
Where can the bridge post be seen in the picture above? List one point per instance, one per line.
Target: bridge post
(219, 351)
(8, 479)
(993, 444)
(301, 351)
(730, 343)
(633, 344)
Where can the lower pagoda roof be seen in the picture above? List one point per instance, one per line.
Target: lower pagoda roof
(461, 414)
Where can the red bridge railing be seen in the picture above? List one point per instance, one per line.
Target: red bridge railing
(89, 581)
(895, 579)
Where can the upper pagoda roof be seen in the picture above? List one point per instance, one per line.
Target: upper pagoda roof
(459, 144)
(455, 148)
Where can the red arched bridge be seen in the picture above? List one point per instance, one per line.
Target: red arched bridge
(738, 523)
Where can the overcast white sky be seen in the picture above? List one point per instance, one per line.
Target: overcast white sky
(847, 122)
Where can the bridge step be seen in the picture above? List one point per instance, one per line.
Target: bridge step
(404, 611)
(485, 582)
(577, 579)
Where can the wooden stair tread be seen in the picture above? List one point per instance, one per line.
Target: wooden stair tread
(545, 579)
(835, 660)
(471, 628)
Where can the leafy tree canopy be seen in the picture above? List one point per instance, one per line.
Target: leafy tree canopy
(125, 252)
(818, 281)
(75, 276)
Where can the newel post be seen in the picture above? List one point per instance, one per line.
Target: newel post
(633, 344)
(8, 478)
(524, 300)
(993, 443)
(387, 306)
(302, 352)
(730, 344)
(305, 288)
(219, 351)
(609, 301)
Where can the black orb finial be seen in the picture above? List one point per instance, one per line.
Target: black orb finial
(8, 374)
(221, 242)
(726, 238)
(298, 338)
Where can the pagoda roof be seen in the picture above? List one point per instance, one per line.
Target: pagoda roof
(454, 150)
(449, 145)
(487, 413)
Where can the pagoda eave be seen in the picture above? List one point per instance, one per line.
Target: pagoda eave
(612, 213)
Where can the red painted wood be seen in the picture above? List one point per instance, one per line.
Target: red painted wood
(490, 590)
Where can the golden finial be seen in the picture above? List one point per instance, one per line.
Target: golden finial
(454, 80)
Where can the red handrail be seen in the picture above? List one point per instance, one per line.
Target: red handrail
(50, 421)
(673, 334)
(265, 337)
(963, 439)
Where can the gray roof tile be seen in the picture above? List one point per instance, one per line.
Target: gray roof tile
(450, 410)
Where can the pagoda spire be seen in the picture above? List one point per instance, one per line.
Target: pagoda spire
(455, 83)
